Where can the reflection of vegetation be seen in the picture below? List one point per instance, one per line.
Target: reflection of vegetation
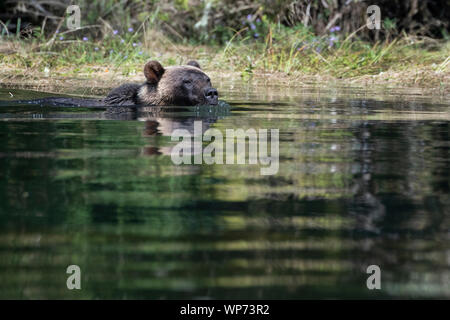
(350, 192)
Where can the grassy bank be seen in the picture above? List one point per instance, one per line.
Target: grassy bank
(288, 54)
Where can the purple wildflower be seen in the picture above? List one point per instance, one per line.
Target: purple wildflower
(57, 31)
(130, 29)
(134, 44)
(96, 49)
(85, 39)
(122, 41)
(332, 41)
(336, 28)
(61, 38)
(258, 20)
(256, 35)
(140, 52)
(249, 17)
(252, 26)
(115, 32)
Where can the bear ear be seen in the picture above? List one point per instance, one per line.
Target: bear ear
(194, 63)
(153, 71)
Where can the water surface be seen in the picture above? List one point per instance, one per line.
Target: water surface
(363, 179)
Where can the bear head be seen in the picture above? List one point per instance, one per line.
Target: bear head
(178, 85)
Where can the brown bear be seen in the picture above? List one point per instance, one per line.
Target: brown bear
(172, 86)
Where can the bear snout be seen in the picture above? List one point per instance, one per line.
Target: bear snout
(212, 96)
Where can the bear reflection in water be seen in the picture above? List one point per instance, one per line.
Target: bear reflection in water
(165, 123)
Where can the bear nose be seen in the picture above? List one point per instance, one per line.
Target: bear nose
(211, 93)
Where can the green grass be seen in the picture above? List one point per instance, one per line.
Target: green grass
(267, 49)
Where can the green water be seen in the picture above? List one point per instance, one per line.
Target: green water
(363, 179)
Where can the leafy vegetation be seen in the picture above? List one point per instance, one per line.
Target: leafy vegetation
(121, 37)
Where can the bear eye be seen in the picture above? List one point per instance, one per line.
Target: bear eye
(186, 81)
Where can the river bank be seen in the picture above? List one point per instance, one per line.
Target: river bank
(97, 66)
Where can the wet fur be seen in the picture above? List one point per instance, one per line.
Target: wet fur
(126, 94)
(164, 86)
